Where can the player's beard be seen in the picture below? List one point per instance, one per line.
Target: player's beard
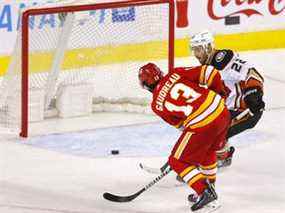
(203, 59)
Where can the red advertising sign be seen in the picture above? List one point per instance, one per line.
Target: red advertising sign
(245, 7)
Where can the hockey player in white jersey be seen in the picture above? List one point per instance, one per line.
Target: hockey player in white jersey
(245, 84)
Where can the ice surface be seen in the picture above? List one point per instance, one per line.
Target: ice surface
(68, 173)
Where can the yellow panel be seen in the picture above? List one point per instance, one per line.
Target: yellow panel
(252, 41)
(242, 41)
(79, 58)
(4, 62)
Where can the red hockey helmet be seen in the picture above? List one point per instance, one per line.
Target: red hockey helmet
(149, 76)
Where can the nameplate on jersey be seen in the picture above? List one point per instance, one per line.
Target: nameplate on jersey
(165, 89)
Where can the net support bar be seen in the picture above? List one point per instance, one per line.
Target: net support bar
(58, 57)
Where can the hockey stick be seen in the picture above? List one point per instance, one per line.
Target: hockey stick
(118, 198)
(152, 170)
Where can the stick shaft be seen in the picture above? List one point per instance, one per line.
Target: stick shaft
(118, 198)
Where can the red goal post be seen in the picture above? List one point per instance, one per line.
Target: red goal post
(27, 45)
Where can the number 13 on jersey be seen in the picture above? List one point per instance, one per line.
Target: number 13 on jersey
(182, 90)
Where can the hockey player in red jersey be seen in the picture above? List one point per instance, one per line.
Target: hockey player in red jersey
(245, 84)
(185, 100)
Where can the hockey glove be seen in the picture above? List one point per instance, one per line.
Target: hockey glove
(253, 99)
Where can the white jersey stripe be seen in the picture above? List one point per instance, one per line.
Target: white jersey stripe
(207, 112)
(208, 73)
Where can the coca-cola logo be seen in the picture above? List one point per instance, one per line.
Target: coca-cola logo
(246, 7)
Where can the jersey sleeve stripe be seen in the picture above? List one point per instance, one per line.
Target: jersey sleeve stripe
(182, 145)
(209, 100)
(208, 72)
(202, 79)
(212, 76)
(238, 96)
(253, 73)
(209, 115)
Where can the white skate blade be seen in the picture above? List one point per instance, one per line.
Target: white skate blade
(210, 207)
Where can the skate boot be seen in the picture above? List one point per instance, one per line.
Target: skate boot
(225, 157)
(207, 199)
(192, 198)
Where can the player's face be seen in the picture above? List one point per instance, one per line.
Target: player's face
(200, 53)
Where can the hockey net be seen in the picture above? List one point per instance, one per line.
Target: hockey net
(95, 49)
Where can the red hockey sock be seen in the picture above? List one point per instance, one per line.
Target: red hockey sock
(199, 186)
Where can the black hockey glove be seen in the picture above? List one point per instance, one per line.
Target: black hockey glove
(253, 99)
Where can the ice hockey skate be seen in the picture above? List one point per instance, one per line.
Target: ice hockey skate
(207, 202)
(225, 157)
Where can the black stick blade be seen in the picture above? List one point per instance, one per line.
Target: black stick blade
(121, 199)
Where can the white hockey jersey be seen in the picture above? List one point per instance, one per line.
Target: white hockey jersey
(237, 75)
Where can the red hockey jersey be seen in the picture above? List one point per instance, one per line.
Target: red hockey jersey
(190, 97)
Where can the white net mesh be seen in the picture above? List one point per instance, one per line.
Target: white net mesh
(10, 96)
(103, 47)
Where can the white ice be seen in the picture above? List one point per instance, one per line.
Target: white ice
(68, 173)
